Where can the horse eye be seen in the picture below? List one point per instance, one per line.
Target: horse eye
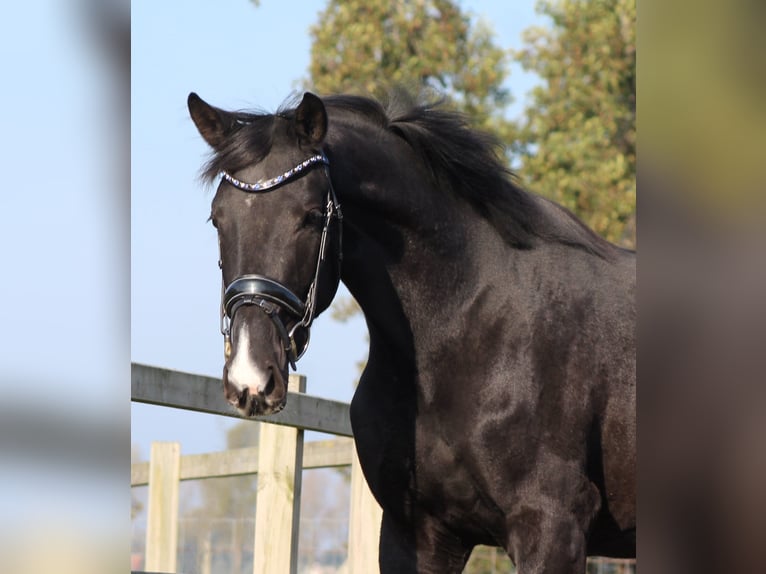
(212, 220)
(313, 218)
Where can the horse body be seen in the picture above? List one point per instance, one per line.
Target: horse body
(484, 405)
(498, 402)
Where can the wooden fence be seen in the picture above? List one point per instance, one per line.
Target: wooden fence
(278, 460)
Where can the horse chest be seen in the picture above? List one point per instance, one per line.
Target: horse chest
(412, 469)
(448, 487)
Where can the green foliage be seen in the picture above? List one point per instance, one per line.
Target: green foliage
(489, 560)
(578, 142)
(345, 309)
(370, 46)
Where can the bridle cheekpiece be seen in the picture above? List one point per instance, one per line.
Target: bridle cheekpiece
(270, 295)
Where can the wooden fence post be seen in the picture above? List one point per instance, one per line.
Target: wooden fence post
(364, 524)
(162, 512)
(277, 512)
(207, 554)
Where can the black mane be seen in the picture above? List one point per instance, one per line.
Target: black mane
(468, 162)
(461, 159)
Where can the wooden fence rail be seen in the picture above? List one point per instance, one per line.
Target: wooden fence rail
(241, 461)
(156, 386)
(278, 460)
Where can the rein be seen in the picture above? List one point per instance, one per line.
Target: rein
(269, 295)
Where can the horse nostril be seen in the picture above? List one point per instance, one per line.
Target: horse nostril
(270, 384)
(242, 399)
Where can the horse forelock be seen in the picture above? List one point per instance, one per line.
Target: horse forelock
(249, 141)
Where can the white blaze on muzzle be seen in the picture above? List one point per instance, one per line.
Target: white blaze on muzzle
(243, 373)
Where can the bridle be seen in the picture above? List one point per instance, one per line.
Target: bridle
(269, 295)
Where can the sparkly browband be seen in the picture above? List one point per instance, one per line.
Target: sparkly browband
(265, 185)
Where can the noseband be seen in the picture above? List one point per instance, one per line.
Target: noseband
(269, 295)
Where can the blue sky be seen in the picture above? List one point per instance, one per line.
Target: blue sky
(234, 55)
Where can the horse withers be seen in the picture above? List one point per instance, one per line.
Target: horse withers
(498, 402)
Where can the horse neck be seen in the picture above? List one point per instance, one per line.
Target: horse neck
(407, 248)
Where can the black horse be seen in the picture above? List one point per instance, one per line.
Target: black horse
(498, 402)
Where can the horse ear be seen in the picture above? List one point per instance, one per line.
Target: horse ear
(311, 119)
(214, 124)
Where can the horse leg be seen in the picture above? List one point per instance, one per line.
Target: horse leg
(425, 549)
(548, 536)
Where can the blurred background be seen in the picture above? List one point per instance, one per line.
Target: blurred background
(97, 143)
(65, 292)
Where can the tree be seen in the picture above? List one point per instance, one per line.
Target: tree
(370, 46)
(578, 142)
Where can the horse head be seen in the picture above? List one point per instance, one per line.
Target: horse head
(278, 223)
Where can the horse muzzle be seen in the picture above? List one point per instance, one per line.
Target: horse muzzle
(276, 301)
(255, 373)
